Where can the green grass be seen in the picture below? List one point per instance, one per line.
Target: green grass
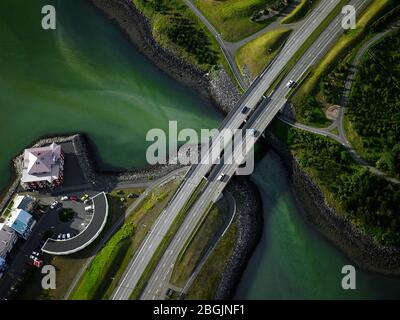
(197, 245)
(345, 43)
(179, 31)
(124, 194)
(99, 281)
(206, 282)
(232, 17)
(306, 45)
(182, 33)
(301, 10)
(96, 273)
(258, 53)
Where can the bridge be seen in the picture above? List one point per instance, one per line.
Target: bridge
(261, 112)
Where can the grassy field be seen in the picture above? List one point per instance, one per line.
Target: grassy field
(232, 17)
(206, 282)
(197, 245)
(123, 194)
(258, 53)
(103, 265)
(100, 279)
(302, 9)
(345, 43)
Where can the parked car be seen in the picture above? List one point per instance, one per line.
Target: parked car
(64, 198)
(59, 236)
(38, 263)
(68, 235)
(54, 204)
(88, 208)
(73, 198)
(35, 253)
(132, 195)
(64, 236)
(84, 197)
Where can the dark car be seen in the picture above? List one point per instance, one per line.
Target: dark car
(245, 110)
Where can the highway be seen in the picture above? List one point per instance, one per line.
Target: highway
(235, 119)
(150, 186)
(158, 283)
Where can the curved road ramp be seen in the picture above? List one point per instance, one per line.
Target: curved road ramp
(87, 236)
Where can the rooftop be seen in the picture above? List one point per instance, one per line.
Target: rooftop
(41, 164)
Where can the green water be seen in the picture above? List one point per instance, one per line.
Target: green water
(292, 260)
(84, 77)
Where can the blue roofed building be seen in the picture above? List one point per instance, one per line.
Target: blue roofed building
(21, 222)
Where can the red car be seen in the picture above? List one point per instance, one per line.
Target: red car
(73, 198)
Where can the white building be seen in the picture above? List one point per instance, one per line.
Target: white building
(43, 167)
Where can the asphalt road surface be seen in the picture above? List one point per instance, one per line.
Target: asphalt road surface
(259, 120)
(158, 283)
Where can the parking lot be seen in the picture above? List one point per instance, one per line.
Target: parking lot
(80, 219)
(48, 224)
(92, 222)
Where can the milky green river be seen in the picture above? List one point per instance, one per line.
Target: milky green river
(86, 77)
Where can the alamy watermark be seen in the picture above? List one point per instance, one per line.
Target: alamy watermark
(49, 21)
(349, 18)
(349, 280)
(229, 146)
(49, 280)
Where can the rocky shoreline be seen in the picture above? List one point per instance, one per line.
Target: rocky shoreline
(219, 89)
(249, 230)
(223, 94)
(315, 210)
(358, 247)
